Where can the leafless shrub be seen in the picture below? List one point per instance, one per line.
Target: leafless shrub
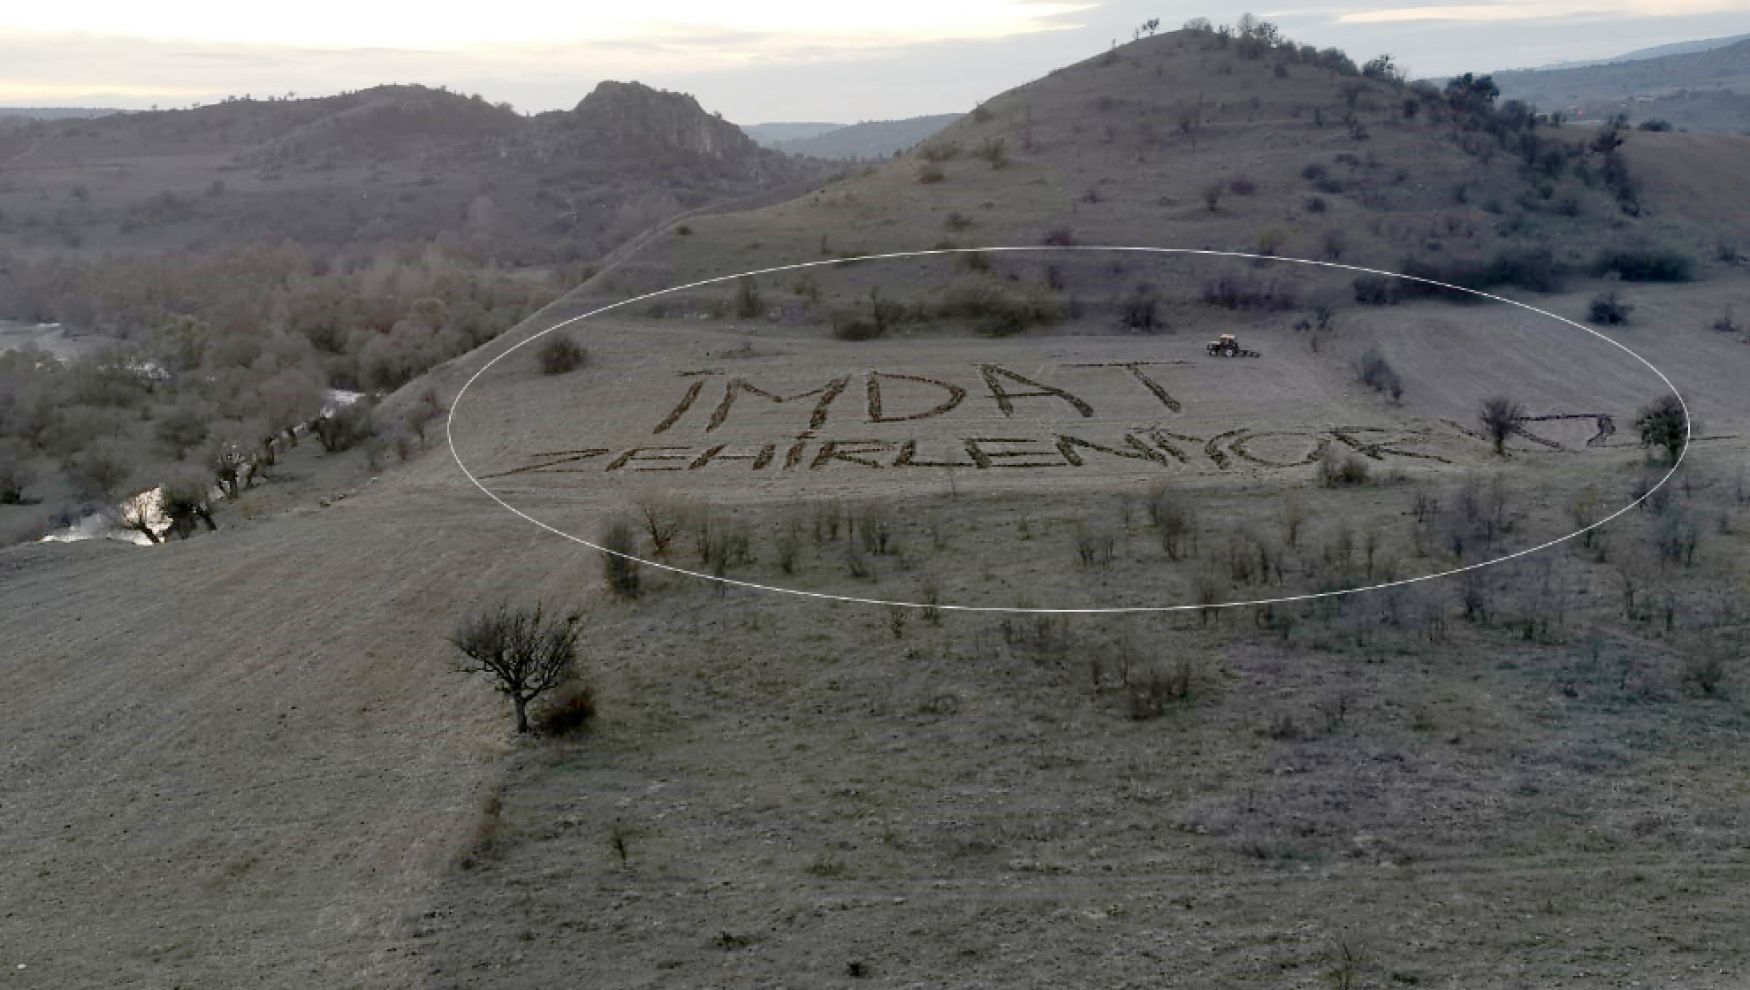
(1158, 687)
(1293, 518)
(1499, 417)
(1608, 309)
(1704, 671)
(560, 354)
(896, 616)
(788, 547)
(1094, 547)
(1172, 518)
(568, 710)
(856, 561)
(874, 530)
(419, 414)
(930, 594)
(1342, 470)
(1374, 371)
(663, 520)
(620, 565)
(939, 151)
(728, 546)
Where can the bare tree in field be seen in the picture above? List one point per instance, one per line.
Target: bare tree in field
(1500, 416)
(526, 652)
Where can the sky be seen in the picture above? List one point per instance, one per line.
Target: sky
(752, 60)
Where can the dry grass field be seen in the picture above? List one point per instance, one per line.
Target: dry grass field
(249, 756)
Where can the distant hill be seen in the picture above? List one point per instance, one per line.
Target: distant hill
(56, 113)
(387, 165)
(1681, 48)
(1701, 89)
(769, 135)
(869, 139)
(1297, 154)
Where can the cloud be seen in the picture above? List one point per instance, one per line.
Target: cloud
(347, 24)
(1496, 12)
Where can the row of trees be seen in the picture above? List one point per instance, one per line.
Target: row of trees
(221, 363)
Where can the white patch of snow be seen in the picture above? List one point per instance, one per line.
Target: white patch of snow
(336, 399)
(147, 505)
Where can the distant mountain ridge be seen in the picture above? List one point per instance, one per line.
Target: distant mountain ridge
(867, 140)
(1705, 87)
(770, 134)
(1681, 48)
(57, 113)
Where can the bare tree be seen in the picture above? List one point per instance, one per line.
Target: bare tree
(663, 520)
(526, 652)
(140, 512)
(1500, 417)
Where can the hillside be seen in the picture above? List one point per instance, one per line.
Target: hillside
(248, 756)
(869, 140)
(1277, 156)
(1704, 90)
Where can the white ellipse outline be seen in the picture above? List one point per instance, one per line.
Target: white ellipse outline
(456, 403)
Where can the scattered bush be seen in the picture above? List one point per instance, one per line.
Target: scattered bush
(1242, 186)
(1342, 470)
(1376, 290)
(1526, 268)
(931, 172)
(1141, 310)
(568, 710)
(1663, 423)
(1058, 237)
(1499, 417)
(1704, 672)
(620, 565)
(1645, 265)
(1238, 291)
(1376, 373)
(1172, 518)
(995, 312)
(1153, 690)
(994, 151)
(748, 302)
(1724, 323)
(1608, 309)
(345, 427)
(939, 151)
(16, 470)
(560, 354)
(1212, 195)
